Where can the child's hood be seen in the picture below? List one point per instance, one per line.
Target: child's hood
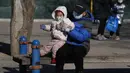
(61, 8)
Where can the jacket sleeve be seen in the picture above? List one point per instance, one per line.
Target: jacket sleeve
(47, 28)
(80, 36)
(59, 35)
(67, 25)
(89, 17)
(50, 27)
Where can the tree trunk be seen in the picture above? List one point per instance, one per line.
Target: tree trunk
(21, 22)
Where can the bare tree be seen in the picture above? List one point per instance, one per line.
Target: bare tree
(21, 22)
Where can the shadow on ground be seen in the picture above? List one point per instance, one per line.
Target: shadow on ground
(5, 48)
(51, 69)
(10, 70)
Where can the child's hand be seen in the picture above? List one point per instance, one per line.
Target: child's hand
(42, 26)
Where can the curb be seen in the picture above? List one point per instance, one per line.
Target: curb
(35, 20)
(49, 20)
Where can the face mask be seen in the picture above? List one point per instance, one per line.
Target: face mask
(59, 18)
(120, 1)
(76, 16)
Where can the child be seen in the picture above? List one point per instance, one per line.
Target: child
(60, 24)
(118, 10)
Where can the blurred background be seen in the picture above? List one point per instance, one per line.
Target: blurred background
(45, 7)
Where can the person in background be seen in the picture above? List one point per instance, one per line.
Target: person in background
(102, 10)
(118, 11)
(59, 27)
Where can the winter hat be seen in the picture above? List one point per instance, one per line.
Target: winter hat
(79, 9)
(59, 11)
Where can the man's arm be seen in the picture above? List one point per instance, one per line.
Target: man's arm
(80, 36)
(89, 17)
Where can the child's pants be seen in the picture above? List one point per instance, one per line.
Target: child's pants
(117, 32)
(53, 46)
(119, 16)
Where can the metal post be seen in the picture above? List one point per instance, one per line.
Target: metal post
(35, 57)
(23, 51)
(91, 6)
(23, 45)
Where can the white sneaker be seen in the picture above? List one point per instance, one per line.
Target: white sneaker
(103, 37)
(117, 38)
(99, 37)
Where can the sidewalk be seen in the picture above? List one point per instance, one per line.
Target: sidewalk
(117, 51)
(108, 51)
(98, 48)
(48, 20)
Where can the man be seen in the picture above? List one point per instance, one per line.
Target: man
(77, 44)
(102, 9)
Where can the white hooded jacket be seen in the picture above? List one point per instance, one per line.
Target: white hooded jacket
(58, 26)
(62, 9)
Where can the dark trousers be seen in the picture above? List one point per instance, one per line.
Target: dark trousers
(102, 25)
(117, 32)
(76, 53)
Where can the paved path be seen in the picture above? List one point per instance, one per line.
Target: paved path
(106, 49)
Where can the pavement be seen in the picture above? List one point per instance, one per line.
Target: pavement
(104, 57)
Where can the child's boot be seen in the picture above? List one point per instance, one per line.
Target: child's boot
(53, 61)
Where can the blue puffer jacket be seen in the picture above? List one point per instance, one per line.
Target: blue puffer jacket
(79, 34)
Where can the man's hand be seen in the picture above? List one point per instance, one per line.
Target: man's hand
(84, 13)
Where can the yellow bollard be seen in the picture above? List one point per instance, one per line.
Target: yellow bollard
(91, 6)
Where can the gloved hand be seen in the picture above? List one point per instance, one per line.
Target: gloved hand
(42, 26)
(66, 30)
